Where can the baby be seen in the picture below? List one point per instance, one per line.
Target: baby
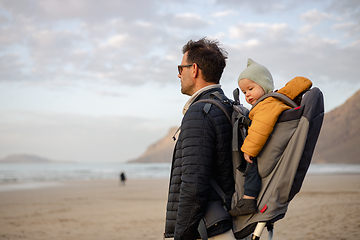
(254, 82)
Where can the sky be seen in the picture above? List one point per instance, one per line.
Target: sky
(96, 81)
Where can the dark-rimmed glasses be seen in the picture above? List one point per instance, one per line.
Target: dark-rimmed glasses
(180, 67)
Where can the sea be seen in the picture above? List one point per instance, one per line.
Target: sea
(14, 175)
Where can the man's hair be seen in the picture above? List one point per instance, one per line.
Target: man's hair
(209, 57)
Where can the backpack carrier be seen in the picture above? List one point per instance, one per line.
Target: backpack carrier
(282, 163)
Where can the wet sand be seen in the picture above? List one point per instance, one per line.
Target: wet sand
(326, 208)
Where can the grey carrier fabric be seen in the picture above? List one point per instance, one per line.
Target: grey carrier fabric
(282, 163)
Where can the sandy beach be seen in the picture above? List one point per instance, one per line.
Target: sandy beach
(327, 207)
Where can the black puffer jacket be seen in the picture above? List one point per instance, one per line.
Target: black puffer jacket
(203, 150)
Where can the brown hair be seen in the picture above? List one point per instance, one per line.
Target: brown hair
(209, 57)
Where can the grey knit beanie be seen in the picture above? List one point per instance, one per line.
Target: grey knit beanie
(259, 74)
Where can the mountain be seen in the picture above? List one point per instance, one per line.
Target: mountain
(159, 152)
(25, 158)
(338, 140)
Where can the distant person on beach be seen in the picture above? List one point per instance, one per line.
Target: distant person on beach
(203, 149)
(122, 178)
(255, 81)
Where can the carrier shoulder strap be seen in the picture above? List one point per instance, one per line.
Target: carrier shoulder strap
(237, 120)
(219, 103)
(215, 102)
(219, 191)
(279, 96)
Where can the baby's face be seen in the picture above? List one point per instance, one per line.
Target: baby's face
(252, 90)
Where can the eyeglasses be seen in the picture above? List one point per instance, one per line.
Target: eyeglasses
(180, 67)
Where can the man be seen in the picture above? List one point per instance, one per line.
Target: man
(203, 149)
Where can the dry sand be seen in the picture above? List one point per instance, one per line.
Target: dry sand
(327, 207)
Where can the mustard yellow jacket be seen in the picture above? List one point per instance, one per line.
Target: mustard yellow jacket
(265, 114)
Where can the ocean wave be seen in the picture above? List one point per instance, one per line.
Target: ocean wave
(11, 173)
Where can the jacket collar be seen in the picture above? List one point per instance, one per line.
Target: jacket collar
(200, 93)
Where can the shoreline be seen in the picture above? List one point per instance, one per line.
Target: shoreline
(20, 173)
(325, 208)
(27, 185)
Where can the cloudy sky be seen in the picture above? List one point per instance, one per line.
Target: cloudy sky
(97, 80)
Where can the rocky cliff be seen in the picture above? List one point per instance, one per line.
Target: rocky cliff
(160, 151)
(339, 140)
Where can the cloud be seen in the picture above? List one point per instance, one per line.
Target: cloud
(91, 11)
(116, 41)
(309, 56)
(314, 16)
(9, 64)
(262, 6)
(346, 9)
(350, 29)
(188, 20)
(224, 13)
(119, 42)
(260, 30)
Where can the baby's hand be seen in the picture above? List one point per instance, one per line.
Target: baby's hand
(248, 158)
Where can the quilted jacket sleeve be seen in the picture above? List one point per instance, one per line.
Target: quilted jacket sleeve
(296, 86)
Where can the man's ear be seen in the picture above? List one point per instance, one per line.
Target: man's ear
(195, 70)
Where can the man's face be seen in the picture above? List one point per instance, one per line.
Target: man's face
(187, 83)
